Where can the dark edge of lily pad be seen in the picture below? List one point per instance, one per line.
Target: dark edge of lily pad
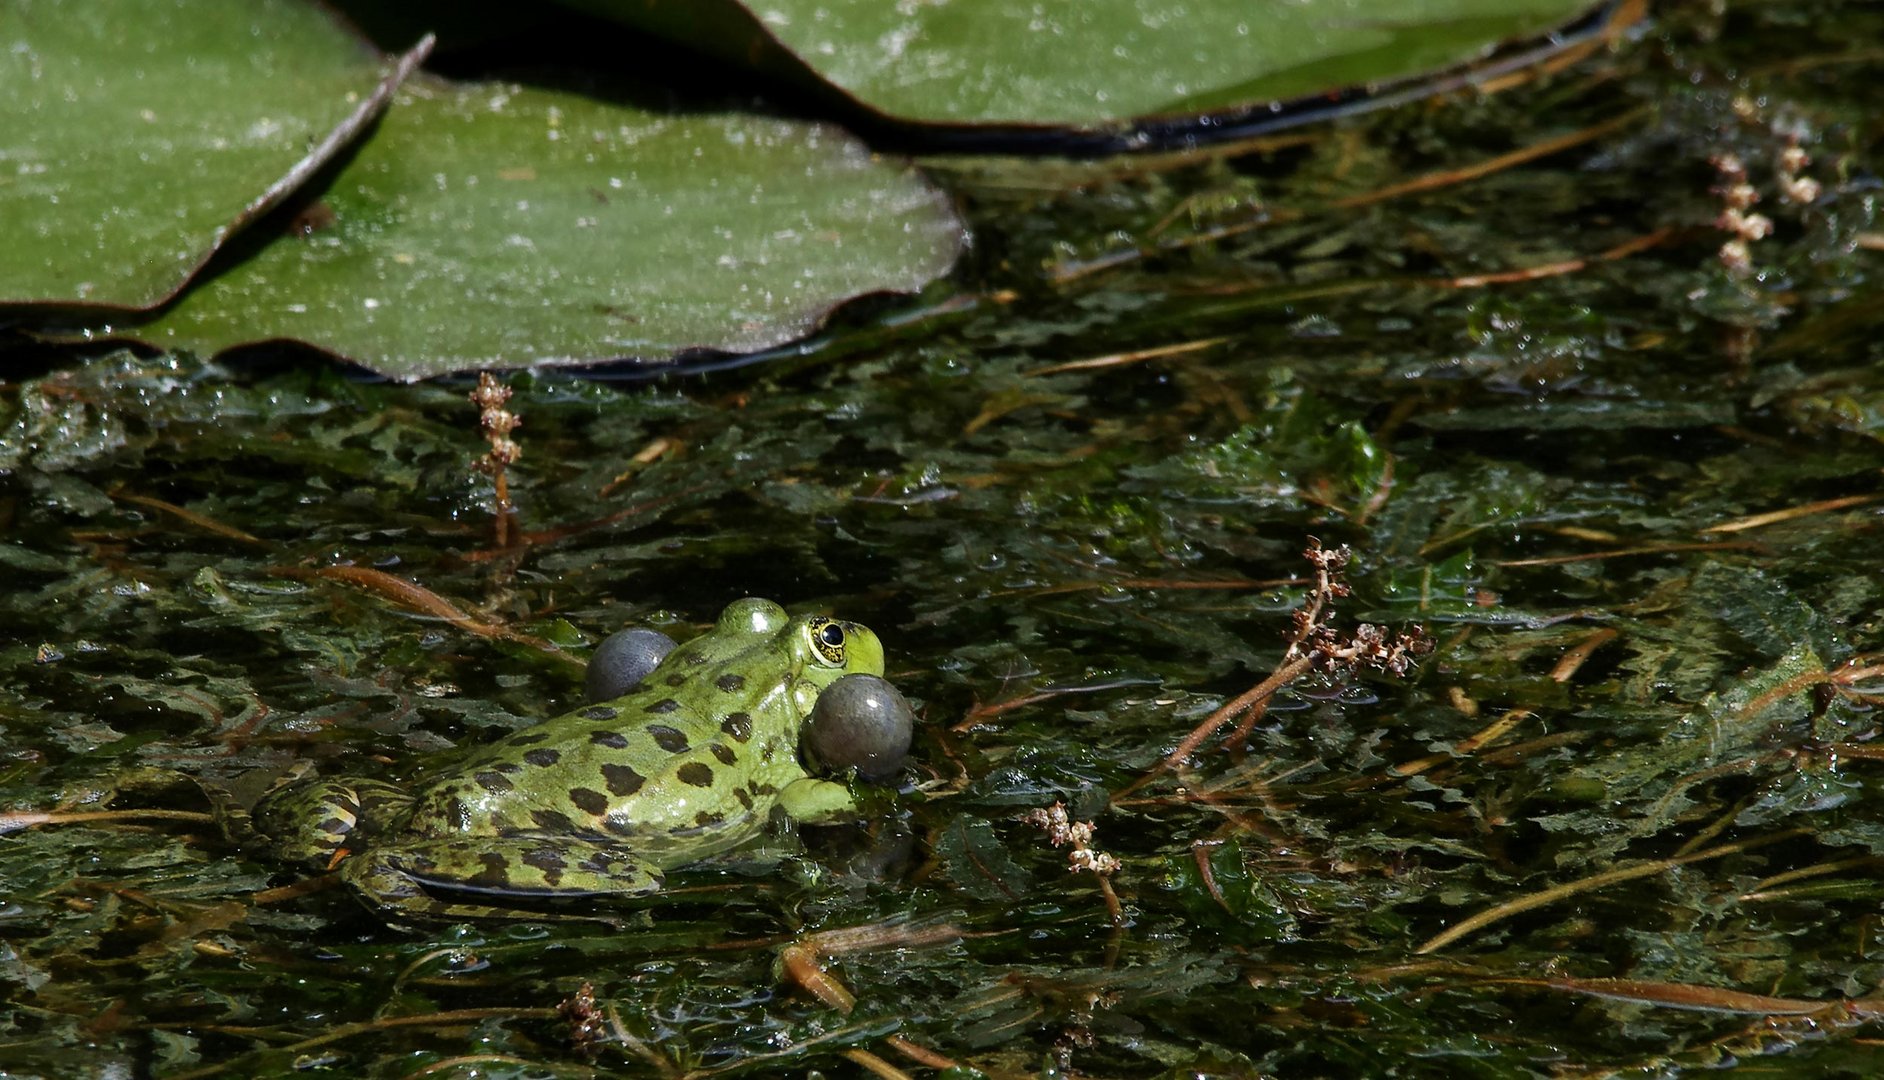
(682, 363)
(1163, 132)
(309, 165)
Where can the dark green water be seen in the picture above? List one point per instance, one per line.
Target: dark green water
(1071, 570)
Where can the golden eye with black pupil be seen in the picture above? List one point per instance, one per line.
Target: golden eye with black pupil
(827, 641)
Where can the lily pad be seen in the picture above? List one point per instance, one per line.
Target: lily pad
(1096, 63)
(136, 136)
(489, 225)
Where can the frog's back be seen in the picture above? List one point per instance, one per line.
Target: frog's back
(689, 766)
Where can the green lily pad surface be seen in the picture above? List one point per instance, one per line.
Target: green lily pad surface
(1097, 62)
(496, 226)
(137, 135)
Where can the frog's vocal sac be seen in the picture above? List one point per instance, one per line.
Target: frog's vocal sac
(600, 801)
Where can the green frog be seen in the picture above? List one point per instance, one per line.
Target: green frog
(693, 761)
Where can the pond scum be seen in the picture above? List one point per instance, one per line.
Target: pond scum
(1583, 780)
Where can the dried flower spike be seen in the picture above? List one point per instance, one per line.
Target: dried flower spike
(1794, 187)
(1063, 831)
(584, 1019)
(492, 398)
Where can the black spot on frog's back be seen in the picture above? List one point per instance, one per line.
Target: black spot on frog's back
(724, 753)
(730, 682)
(543, 756)
(457, 813)
(549, 861)
(597, 712)
(672, 740)
(552, 821)
(494, 872)
(665, 705)
(622, 780)
(614, 740)
(493, 782)
(695, 773)
(738, 725)
(589, 800)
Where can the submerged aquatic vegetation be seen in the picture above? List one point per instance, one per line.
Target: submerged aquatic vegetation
(1625, 816)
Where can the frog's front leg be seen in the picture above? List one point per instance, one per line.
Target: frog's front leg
(441, 878)
(810, 801)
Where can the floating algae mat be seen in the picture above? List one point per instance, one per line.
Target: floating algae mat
(1571, 766)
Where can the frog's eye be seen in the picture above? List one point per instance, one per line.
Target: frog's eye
(827, 641)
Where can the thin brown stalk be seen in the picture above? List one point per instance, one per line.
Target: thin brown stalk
(920, 1054)
(497, 422)
(1267, 216)
(347, 1031)
(1231, 709)
(1577, 655)
(304, 887)
(800, 964)
(1113, 908)
(463, 1061)
(1674, 995)
(1546, 897)
(1121, 359)
(1479, 170)
(637, 1046)
(644, 457)
(415, 598)
(1506, 755)
(1200, 854)
(563, 532)
(1382, 491)
(875, 1065)
(1773, 517)
(980, 713)
(201, 521)
(1468, 745)
(1226, 584)
(1567, 266)
(1645, 549)
(1708, 834)
(1762, 889)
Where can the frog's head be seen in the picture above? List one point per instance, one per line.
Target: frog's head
(825, 650)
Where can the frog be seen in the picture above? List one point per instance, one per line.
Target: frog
(697, 759)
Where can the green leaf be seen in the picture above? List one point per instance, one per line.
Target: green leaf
(142, 134)
(497, 226)
(1761, 610)
(1095, 63)
(979, 863)
(1231, 899)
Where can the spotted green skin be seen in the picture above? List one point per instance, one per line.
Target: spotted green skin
(600, 801)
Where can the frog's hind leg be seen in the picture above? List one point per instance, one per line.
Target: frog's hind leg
(315, 821)
(487, 878)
